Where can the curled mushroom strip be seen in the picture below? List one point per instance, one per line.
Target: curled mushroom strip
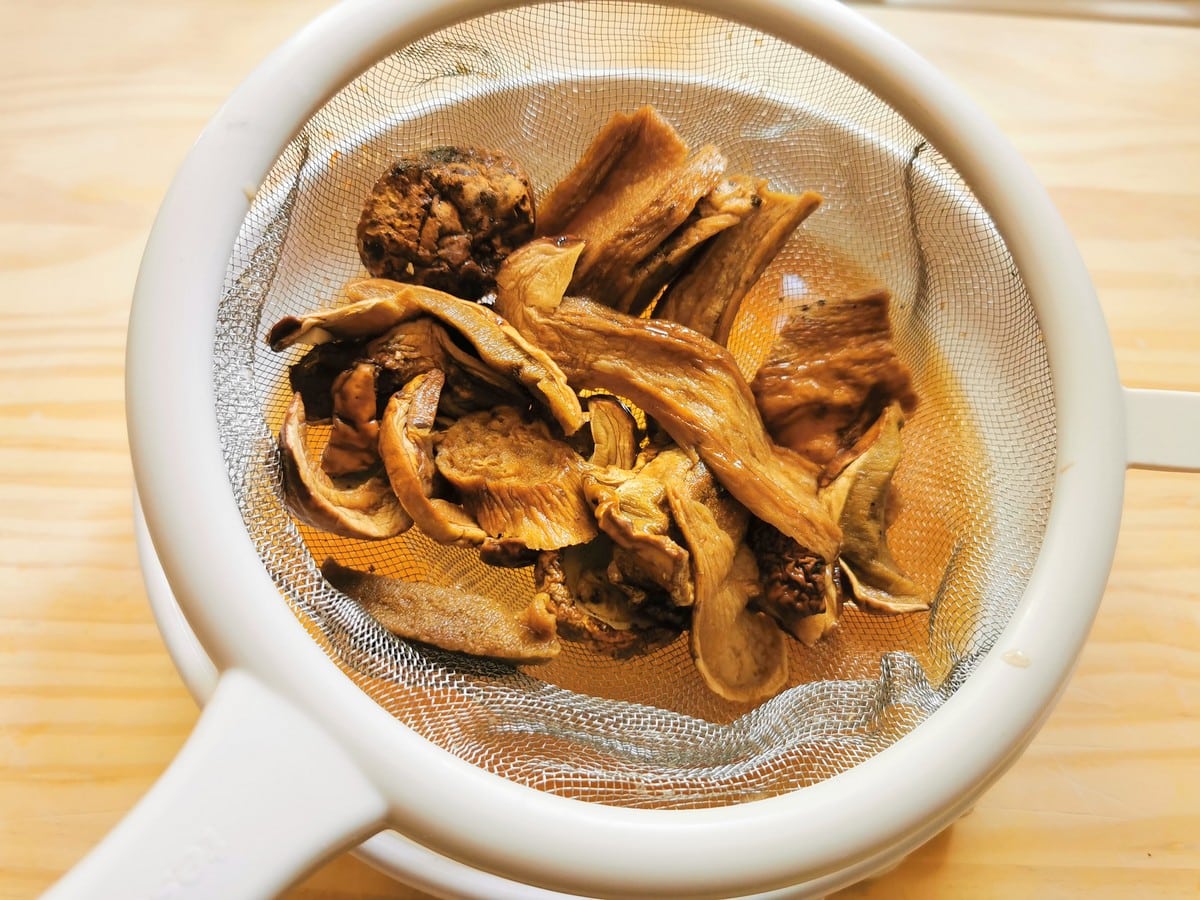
(406, 445)
(375, 305)
(365, 509)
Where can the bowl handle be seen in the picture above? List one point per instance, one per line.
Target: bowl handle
(257, 796)
(1162, 429)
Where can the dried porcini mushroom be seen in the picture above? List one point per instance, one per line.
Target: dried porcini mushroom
(859, 497)
(799, 590)
(708, 296)
(406, 445)
(570, 584)
(516, 479)
(697, 502)
(449, 618)
(364, 508)
(445, 218)
(831, 372)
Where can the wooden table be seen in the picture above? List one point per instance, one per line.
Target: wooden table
(98, 104)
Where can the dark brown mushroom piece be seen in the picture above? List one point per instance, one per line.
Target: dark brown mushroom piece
(449, 618)
(798, 587)
(353, 445)
(373, 306)
(831, 372)
(689, 385)
(517, 479)
(634, 187)
(709, 294)
(445, 218)
(313, 375)
(406, 445)
(363, 507)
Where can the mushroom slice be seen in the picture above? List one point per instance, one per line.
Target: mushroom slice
(314, 374)
(354, 439)
(740, 653)
(709, 294)
(829, 375)
(632, 189)
(632, 509)
(365, 509)
(609, 618)
(406, 445)
(374, 306)
(449, 618)
(614, 432)
(516, 479)
(858, 497)
(688, 384)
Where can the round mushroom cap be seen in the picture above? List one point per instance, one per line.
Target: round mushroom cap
(446, 218)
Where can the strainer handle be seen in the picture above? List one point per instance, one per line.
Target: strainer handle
(257, 796)
(1162, 429)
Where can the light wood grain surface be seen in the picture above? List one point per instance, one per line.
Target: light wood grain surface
(98, 104)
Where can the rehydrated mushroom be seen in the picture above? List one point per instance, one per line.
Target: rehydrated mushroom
(354, 439)
(631, 190)
(689, 385)
(614, 432)
(829, 375)
(633, 510)
(406, 445)
(445, 218)
(798, 588)
(739, 652)
(314, 374)
(365, 508)
(591, 610)
(516, 479)
(449, 618)
(373, 306)
(709, 294)
(859, 497)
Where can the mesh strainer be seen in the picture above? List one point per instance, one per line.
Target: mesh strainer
(590, 776)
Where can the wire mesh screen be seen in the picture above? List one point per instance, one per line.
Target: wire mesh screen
(538, 82)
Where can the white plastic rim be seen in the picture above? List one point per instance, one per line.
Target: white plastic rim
(823, 836)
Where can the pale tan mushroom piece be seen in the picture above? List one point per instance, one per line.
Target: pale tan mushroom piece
(365, 509)
(516, 479)
(741, 654)
(372, 306)
(688, 384)
(632, 509)
(859, 497)
(406, 445)
(449, 618)
(614, 432)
